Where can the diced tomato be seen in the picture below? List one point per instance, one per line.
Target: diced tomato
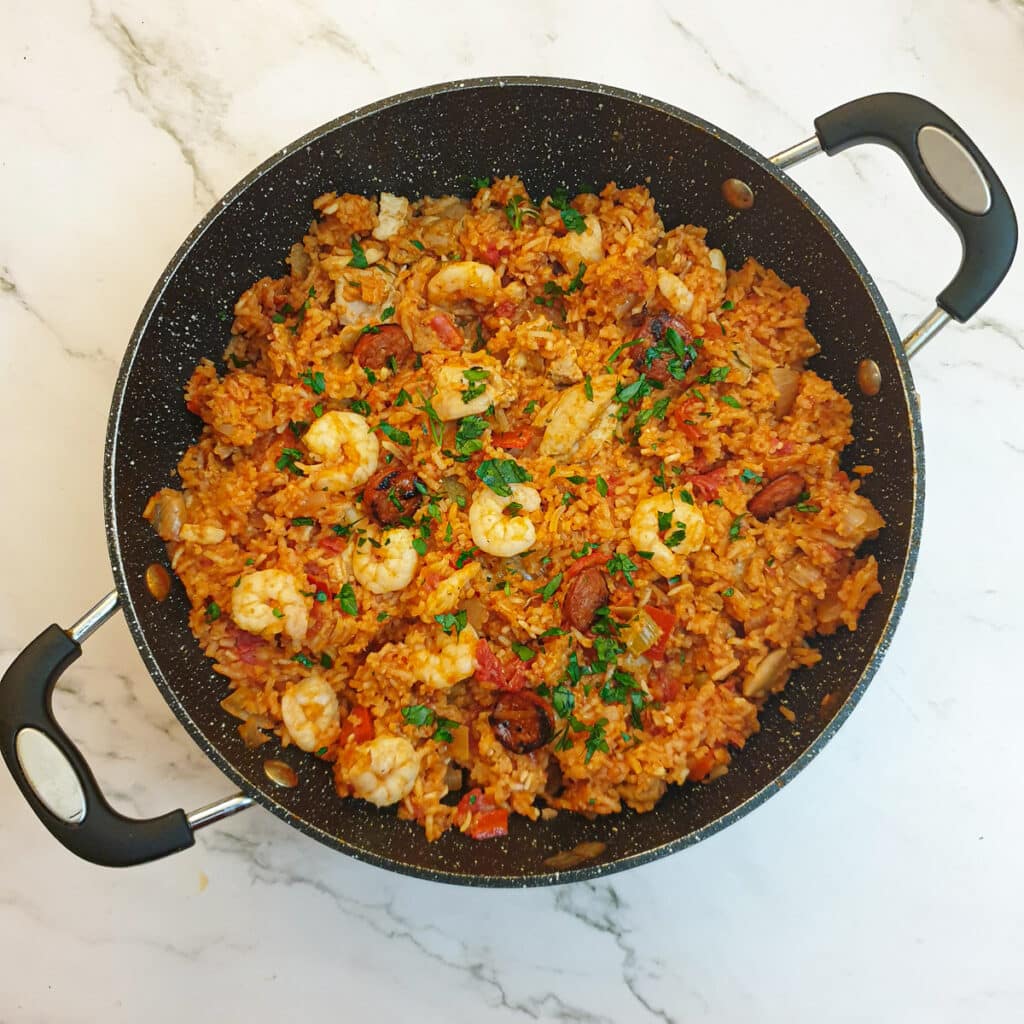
(490, 824)
(712, 330)
(705, 485)
(701, 767)
(505, 309)
(783, 448)
(666, 622)
(331, 543)
(193, 406)
(514, 440)
(485, 820)
(579, 564)
(488, 668)
(446, 331)
(489, 254)
(247, 646)
(358, 725)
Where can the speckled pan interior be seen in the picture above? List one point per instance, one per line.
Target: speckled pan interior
(432, 141)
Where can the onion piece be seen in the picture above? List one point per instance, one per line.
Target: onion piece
(476, 613)
(456, 490)
(459, 746)
(786, 381)
(641, 634)
(251, 734)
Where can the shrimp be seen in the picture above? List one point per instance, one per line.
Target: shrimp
(582, 247)
(311, 714)
(678, 296)
(446, 661)
(268, 602)
(467, 390)
(578, 425)
(347, 448)
(384, 770)
(445, 596)
(500, 534)
(683, 534)
(388, 566)
(463, 281)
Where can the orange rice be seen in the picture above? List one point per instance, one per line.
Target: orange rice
(542, 300)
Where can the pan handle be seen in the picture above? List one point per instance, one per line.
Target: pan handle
(950, 170)
(54, 777)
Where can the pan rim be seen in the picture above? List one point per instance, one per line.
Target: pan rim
(264, 797)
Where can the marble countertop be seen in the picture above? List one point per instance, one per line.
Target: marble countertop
(883, 884)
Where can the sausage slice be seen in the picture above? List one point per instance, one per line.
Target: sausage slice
(375, 351)
(391, 494)
(651, 357)
(780, 493)
(522, 721)
(587, 592)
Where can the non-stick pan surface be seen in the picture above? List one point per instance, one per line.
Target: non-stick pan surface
(432, 142)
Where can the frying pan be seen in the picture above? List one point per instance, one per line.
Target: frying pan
(431, 142)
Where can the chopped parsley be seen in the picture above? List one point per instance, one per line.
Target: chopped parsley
(728, 304)
(237, 363)
(435, 423)
(403, 398)
(347, 600)
(530, 407)
(588, 388)
(596, 740)
(686, 497)
(420, 715)
(805, 507)
(602, 486)
(358, 256)
(572, 220)
(728, 592)
(734, 530)
(326, 661)
(501, 474)
(286, 460)
(656, 411)
(734, 402)
(549, 589)
(387, 313)
(213, 611)
(314, 381)
(624, 564)
(303, 659)
(465, 557)
(748, 476)
(416, 245)
(394, 434)
(475, 377)
(715, 375)
(304, 521)
(449, 622)
(523, 653)
(360, 406)
(479, 183)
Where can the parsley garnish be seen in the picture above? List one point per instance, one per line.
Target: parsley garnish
(475, 377)
(314, 381)
(303, 659)
(358, 256)
(286, 460)
(416, 245)
(734, 530)
(523, 652)
(304, 521)
(602, 486)
(728, 592)
(479, 183)
(394, 434)
(548, 590)
(748, 476)
(588, 388)
(501, 474)
(714, 375)
(530, 407)
(624, 564)
(449, 622)
(347, 600)
(326, 661)
(464, 557)
(213, 611)
(596, 740)
(734, 402)
(360, 406)
(420, 715)
(804, 507)
(435, 422)
(656, 411)
(728, 304)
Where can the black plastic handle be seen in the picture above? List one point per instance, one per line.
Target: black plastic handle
(989, 238)
(102, 836)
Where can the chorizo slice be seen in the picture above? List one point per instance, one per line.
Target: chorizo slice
(587, 592)
(392, 494)
(522, 721)
(653, 356)
(780, 493)
(376, 349)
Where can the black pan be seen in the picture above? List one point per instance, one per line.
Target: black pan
(433, 141)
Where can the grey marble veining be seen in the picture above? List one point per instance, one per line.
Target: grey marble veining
(883, 884)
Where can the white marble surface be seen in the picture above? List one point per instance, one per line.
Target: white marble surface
(884, 884)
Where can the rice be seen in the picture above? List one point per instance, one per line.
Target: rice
(544, 300)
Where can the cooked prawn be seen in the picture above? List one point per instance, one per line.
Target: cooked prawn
(268, 602)
(684, 531)
(384, 770)
(445, 596)
(386, 565)
(347, 449)
(463, 281)
(445, 661)
(311, 714)
(578, 425)
(468, 390)
(498, 533)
